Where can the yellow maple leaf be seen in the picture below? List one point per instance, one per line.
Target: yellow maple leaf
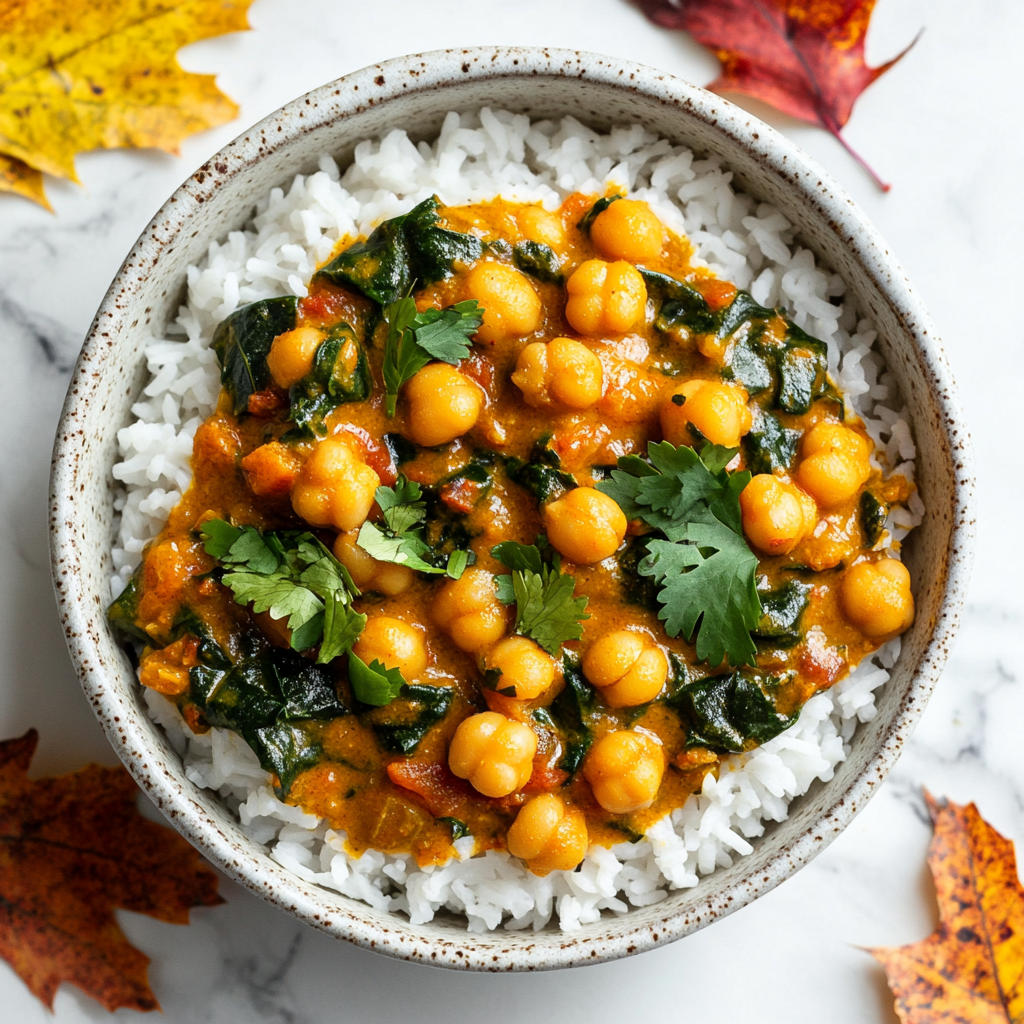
(99, 74)
(970, 970)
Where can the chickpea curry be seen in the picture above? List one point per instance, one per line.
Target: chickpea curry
(514, 527)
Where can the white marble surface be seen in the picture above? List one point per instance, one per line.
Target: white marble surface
(943, 126)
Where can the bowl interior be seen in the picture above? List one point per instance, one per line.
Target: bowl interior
(416, 93)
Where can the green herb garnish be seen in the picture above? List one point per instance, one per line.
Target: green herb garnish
(374, 684)
(704, 567)
(401, 539)
(291, 575)
(414, 339)
(546, 610)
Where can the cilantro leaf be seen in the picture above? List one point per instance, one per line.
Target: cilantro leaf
(705, 569)
(291, 575)
(546, 609)
(373, 684)
(446, 333)
(414, 339)
(401, 541)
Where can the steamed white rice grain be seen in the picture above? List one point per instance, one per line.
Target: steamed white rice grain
(476, 157)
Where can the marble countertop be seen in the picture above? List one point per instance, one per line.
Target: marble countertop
(943, 128)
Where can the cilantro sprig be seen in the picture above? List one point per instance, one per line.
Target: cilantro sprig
(546, 610)
(706, 570)
(374, 684)
(414, 339)
(291, 575)
(401, 539)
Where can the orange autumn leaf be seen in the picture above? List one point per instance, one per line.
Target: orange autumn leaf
(72, 849)
(970, 970)
(804, 57)
(77, 75)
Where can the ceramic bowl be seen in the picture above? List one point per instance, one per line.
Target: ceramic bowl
(414, 93)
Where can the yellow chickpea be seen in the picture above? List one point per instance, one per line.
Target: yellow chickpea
(523, 665)
(367, 573)
(624, 770)
(538, 225)
(716, 409)
(395, 644)
(291, 355)
(585, 526)
(876, 597)
(334, 488)
(548, 835)
(628, 230)
(836, 462)
(563, 370)
(469, 611)
(605, 298)
(627, 668)
(776, 515)
(511, 307)
(494, 753)
(442, 405)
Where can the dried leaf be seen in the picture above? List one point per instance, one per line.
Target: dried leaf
(804, 57)
(86, 74)
(73, 848)
(17, 176)
(970, 970)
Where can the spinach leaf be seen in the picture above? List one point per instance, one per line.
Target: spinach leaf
(459, 828)
(400, 448)
(873, 516)
(539, 261)
(401, 251)
(242, 342)
(572, 712)
(769, 446)
(802, 368)
(340, 374)
(781, 611)
(401, 726)
(599, 207)
(285, 748)
(729, 712)
(637, 589)
(379, 267)
(681, 305)
(542, 475)
(752, 362)
(123, 611)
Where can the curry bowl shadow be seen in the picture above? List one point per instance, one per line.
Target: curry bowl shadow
(415, 93)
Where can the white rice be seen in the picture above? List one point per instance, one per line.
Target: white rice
(476, 157)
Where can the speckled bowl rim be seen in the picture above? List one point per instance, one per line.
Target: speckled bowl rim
(149, 758)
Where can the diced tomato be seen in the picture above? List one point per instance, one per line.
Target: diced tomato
(441, 792)
(266, 403)
(507, 706)
(215, 447)
(194, 719)
(271, 469)
(378, 458)
(479, 368)
(820, 663)
(717, 294)
(545, 776)
(461, 495)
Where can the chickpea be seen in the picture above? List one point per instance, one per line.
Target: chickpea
(717, 410)
(776, 515)
(334, 488)
(538, 225)
(876, 597)
(395, 644)
(835, 463)
(494, 753)
(367, 573)
(291, 355)
(627, 668)
(469, 611)
(628, 230)
(548, 835)
(585, 526)
(605, 298)
(511, 307)
(523, 665)
(563, 370)
(443, 404)
(624, 770)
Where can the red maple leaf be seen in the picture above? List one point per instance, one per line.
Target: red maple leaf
(73, 848)
(804, 57)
